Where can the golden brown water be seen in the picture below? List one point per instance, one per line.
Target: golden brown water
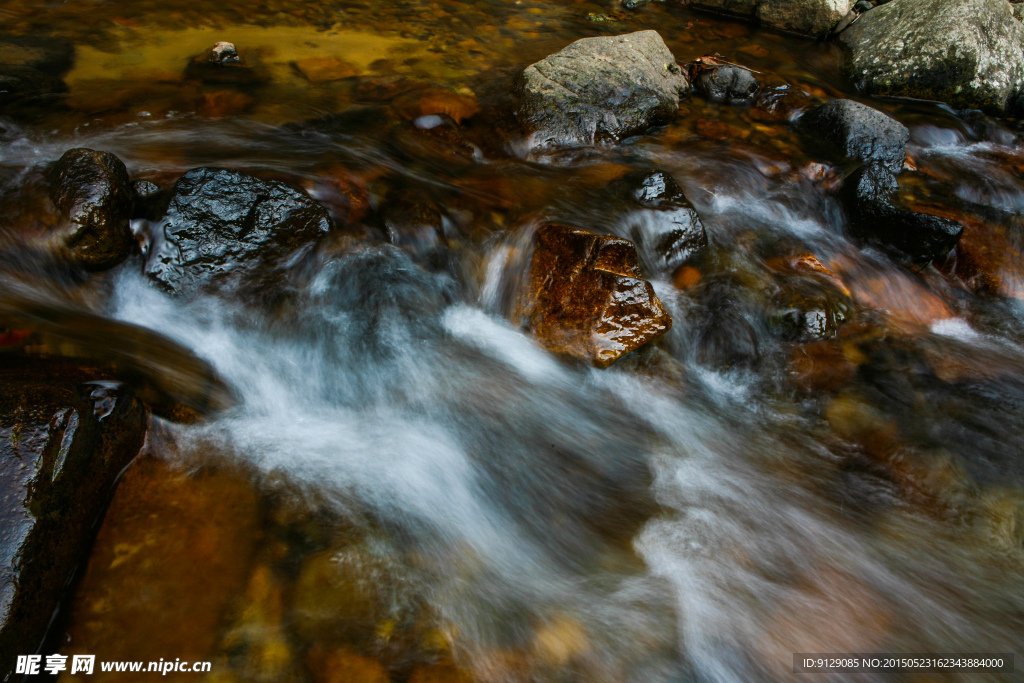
(412, 491)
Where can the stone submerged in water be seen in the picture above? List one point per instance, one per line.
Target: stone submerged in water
(30, 70)
(585, 296)
(877, 215)
(810, 17)
(665, 226)
(62, 446)
(93, 195)
(599, 89)
(222, 226)
(966, 53)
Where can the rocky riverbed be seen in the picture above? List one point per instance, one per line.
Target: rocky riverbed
(510, 341)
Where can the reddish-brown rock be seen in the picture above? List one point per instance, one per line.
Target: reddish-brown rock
(585, 296)
(174, 550)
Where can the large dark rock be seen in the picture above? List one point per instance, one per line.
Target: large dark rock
(967, 53)
(664, 225)
(222, 226)
(93, 195)
(585, 297)
(62, 446)
(876, 214)
(600, 89)
(809, 17)
(848, 130)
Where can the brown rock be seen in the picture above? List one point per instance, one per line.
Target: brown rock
(324, 69)
(417, 103)
(172, 553)
(586, 298)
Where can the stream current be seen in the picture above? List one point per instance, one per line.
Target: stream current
(667, 519)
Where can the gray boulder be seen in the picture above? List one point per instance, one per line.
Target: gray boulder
(599, 89)
(809, 17)
(968, 53)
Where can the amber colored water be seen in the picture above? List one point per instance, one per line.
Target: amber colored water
(411, 490)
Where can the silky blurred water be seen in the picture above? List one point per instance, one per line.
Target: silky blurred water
(670, 518)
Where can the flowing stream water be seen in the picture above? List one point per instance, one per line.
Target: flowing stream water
(666, 519)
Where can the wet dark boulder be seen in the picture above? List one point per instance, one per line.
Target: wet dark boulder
(876, 215)
(663, 223)
(599, 90)
(966, 53)
(847, 130)
(721, 81)
(223, 226)
(585, 297)
(63, 444)
(93, 197)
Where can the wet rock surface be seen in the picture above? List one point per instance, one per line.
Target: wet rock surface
(63, 442)
(93, 195)
(586, 297)
(876, 214)
(966, 53)
(171, 552)
(810, 17)
(848, 130)
(665, 227)
(223, 225)
(720, 81)
(600, 89)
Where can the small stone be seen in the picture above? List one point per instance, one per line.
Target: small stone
(223, 65)
(344, 666)
(428, 101)
(224, 52)
(586, 297)
(325, 69)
